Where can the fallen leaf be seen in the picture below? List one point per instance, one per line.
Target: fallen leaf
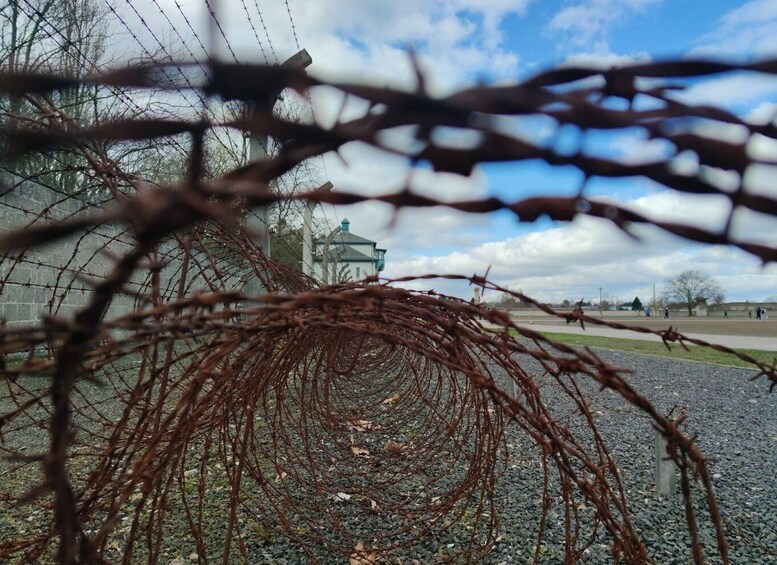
(392, 399)
(361, 557)
(395, 448)
(342, 497)
(361, 425)
(356, 450)
(373, 506)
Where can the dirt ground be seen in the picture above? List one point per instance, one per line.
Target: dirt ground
(711, 326)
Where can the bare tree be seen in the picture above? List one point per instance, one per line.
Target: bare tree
(691, 288)
(66, 37)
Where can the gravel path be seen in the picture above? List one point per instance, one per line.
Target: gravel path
(735, 418)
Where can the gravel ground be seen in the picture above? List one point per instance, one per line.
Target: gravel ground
(735, 418)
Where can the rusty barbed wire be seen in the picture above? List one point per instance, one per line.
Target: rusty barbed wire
(199, 378)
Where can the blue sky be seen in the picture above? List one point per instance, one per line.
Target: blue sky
(501, 41)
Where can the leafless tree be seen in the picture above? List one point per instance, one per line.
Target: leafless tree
(691, 288)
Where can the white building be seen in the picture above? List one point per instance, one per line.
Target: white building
(350, 257)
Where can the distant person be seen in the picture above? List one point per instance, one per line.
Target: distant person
(764, 315)
(647, 311)
(758, 313)
(666, 313)
(725, 314)
(750, 314)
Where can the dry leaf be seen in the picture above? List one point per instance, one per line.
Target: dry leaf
(356, 450)
(342, 497)
(395, 448)
(361, 425)
(392, 399)
(373, 506)
(361, 557)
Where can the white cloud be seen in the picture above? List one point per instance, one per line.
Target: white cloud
(740, 89)
(703, 211)
(761, 179)
(749, 29)
(459, 41)
(604, 60)
(368, 171)
(762, 148)
(636, 148)
(586, 24)
(456, 40)
(764, 113)
(573, 260)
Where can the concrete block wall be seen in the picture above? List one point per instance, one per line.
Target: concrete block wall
(50, 279)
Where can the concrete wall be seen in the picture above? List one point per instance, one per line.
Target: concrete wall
(740, 309)
(58, 279)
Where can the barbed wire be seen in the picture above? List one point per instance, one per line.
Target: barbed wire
(214, 21)
(235, 382)
(293, 26)
(256, 33)
(191, 28)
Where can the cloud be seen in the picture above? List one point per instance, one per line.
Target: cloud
(586, 24)
(368, 171)
(749, 29)
(573, 260)
(604, 60)
(734, 89)
(456, 40)
(746, 32)
(764, 113)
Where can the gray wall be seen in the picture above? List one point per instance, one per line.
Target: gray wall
(50, 280)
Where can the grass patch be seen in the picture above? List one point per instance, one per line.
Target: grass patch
(696, 353)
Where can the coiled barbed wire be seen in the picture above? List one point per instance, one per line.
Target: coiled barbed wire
(355, 419)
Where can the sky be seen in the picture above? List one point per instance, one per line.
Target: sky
(462, 42)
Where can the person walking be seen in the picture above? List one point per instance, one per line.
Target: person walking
(666, 312)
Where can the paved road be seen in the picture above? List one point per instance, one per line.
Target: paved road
(733, 341)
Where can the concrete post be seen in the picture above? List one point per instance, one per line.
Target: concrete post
(307, 229)
(258, 219)
(666, 482)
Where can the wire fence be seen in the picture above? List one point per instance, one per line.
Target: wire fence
(237, 395)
